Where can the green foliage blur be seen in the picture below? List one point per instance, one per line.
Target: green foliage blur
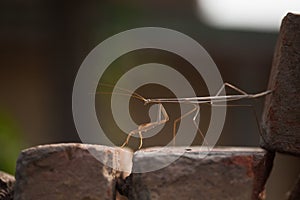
(10, 143)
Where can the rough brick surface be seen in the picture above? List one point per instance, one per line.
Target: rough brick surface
(281, 118)
(67, 171)
(295, 193)
(6, 186)
(226, 173)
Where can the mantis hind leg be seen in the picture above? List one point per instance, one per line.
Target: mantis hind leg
(232, 87)
(253, 111)
(195, 110)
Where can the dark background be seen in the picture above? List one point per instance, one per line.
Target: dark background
(43, 43)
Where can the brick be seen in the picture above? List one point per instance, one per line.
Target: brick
(6, 186)
(281, 125)
(67, 171)
(225, 173)
(295, 193)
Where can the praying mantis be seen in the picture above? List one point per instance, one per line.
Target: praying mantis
(163, 117)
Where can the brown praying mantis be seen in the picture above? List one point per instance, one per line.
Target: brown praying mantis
(163, 117)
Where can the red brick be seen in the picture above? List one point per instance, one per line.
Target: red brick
(226, 173)
(281, 125)
(67, 171)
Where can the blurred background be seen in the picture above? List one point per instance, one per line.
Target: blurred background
(43, 43)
